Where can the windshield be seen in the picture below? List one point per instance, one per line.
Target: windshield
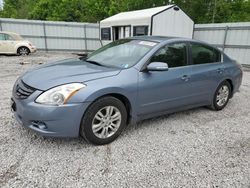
(16, 36)
(122, 53)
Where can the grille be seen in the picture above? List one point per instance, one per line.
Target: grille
(22, 90)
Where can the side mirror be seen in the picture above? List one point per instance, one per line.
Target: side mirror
(157, 66)
(82, 55)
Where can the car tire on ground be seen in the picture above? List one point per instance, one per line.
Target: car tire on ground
(103, 121)
(221, 96)
(23, 50)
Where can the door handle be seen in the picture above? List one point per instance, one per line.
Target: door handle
(220, 70)
(185, 78)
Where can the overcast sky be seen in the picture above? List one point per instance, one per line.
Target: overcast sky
(1, 3)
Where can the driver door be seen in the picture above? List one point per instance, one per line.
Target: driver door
(2, 42)
(161, 91)
(7, 44)
(10, 44)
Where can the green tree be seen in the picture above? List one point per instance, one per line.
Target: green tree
(17, 8)
(201, 11)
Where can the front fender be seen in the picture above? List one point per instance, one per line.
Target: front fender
(125, 84)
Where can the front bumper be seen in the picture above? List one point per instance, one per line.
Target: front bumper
(51, 121)
(33, 49)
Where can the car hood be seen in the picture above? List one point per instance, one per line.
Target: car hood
(65, 71)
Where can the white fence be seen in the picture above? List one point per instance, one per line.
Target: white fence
(232, 38)
(57, 36)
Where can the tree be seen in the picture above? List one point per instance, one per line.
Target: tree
(201, 11)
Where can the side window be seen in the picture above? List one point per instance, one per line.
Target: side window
(8, 37)
(175, 55)
(105, 33)
(202, 54)
(2, 36)
(140, 30)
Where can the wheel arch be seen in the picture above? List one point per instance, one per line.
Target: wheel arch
(231, 84)
(123, 99)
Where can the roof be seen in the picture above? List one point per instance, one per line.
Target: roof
(138, 14)
(7, 32)
(160, 39)
(14, 35)
(153, 38)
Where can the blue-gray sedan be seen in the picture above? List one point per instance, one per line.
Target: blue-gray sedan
(123, 82)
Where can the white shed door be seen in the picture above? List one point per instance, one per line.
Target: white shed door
(127, 32)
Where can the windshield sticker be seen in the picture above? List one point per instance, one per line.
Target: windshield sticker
(147, 43)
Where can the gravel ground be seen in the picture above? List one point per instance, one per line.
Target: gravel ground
(195, 148)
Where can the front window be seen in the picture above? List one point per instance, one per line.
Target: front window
(175, 55)
(11, 37)
(8, 37)
(2, 36)
(122, 53)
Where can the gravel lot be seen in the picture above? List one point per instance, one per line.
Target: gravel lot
(195, 148)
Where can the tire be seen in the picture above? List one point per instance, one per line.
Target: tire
(23, 50)
(106, 130)
(224, 90)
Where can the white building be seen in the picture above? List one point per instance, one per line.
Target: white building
(163, 21)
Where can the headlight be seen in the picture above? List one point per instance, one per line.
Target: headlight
(59, 95)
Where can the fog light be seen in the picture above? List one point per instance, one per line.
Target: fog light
(39, 124)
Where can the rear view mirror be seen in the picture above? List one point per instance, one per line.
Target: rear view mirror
(157, 66)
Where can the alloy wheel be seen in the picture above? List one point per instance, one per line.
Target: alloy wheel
(222, 95)
(106, 122)
(23, 51)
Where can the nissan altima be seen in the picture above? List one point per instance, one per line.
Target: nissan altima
(123, 82)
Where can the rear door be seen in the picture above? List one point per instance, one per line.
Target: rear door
(207, 70)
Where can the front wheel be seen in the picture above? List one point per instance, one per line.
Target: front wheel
(104, 121)
(221, 96)
(23, 51)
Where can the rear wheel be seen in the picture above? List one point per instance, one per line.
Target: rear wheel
(23, 51)
(221, 96)
(104, 121)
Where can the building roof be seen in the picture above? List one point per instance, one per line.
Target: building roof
(138, 15)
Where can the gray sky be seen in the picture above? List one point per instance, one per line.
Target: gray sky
(1, 3)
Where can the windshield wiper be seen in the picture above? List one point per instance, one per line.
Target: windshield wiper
(94, 62)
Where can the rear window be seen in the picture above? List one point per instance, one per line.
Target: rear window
(202, 54)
